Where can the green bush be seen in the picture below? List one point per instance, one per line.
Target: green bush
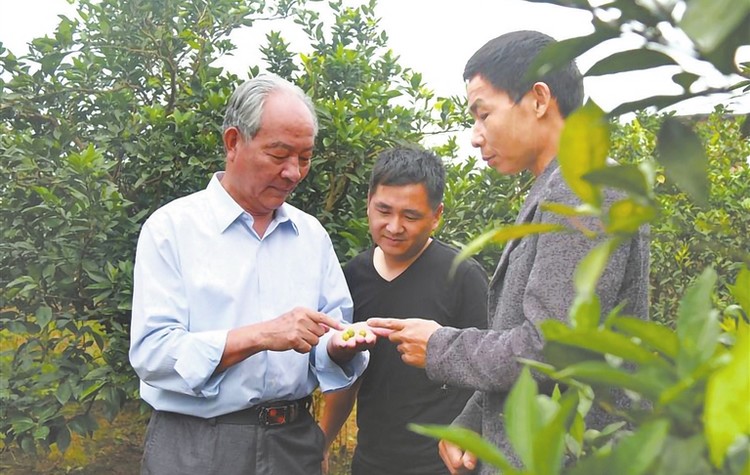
(686, 237)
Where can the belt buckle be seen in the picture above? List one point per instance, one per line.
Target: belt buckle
(275, 416)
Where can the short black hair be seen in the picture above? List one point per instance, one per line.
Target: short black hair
(407, 165)
(504, 62)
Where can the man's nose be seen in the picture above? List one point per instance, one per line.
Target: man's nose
(477, 136)
(291, 170)
(394, 225)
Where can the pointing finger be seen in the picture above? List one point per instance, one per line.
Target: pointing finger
(327, 321)
(382, 332)
(387, 323)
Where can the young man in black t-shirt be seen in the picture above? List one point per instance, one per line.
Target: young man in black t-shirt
(406, 274)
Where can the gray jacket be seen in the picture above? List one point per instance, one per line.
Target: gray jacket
(533, 282)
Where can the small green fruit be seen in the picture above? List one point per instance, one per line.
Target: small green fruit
(348, 333)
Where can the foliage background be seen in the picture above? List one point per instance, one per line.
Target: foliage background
(119, 112)
(686, 237)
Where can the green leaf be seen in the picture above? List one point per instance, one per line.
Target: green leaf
(557, 54)
(657, 336)
(594, 464)
(585, 312)
(83, 424)
(522, 417)
(627, 216)
(685, 80)
(741, 289)
(21, 424)
(684, 160)
(601, 341)
(98, 373)
(467, 440)
(633, 455)
(683, 456)
(727, 409)
(627, 177)
(636, 59)
(41, 432)
(50, 62)
(658, 102)
(709, 22)
(43, 316)
(63, 438)
(564, 355)
(723, 56)
(63, 392)
(577, 430)
(600, 373)
(590, 268)
(697, 324)
(584, 145)
(92, 388)
(565, 210)
(501, 235)
(549, 441)
(543, 368)
(610, 429)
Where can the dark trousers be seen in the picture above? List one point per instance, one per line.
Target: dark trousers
(184, 445)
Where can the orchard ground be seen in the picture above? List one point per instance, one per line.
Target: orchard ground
(116, 448)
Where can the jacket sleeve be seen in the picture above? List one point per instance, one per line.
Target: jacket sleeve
(538, 285)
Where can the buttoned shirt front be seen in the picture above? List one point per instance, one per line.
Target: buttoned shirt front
(202, 270)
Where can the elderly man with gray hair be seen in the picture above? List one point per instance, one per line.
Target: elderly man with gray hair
(235, 292)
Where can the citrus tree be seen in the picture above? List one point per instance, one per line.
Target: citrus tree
(686, 237)
(101, 123)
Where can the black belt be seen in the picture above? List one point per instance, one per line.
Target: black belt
(271, 414)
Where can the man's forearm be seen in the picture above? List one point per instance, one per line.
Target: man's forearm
(337, 407)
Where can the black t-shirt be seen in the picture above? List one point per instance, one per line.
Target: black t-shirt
(394, 394)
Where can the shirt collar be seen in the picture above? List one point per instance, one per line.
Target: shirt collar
(226, 210)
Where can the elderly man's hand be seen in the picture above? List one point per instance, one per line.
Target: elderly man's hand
(299, 329)
(354, 338)
(410, 334)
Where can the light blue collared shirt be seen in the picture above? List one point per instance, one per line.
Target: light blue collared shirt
(201, 270)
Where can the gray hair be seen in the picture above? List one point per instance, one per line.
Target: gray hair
(245, 107)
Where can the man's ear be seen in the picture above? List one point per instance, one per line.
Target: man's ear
(438, 213)
(232, 140)
(542, 97)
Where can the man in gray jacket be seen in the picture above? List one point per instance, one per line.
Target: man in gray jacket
(517, 126)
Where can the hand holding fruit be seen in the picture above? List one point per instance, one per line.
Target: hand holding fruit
(347, 334)
(354, 338)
